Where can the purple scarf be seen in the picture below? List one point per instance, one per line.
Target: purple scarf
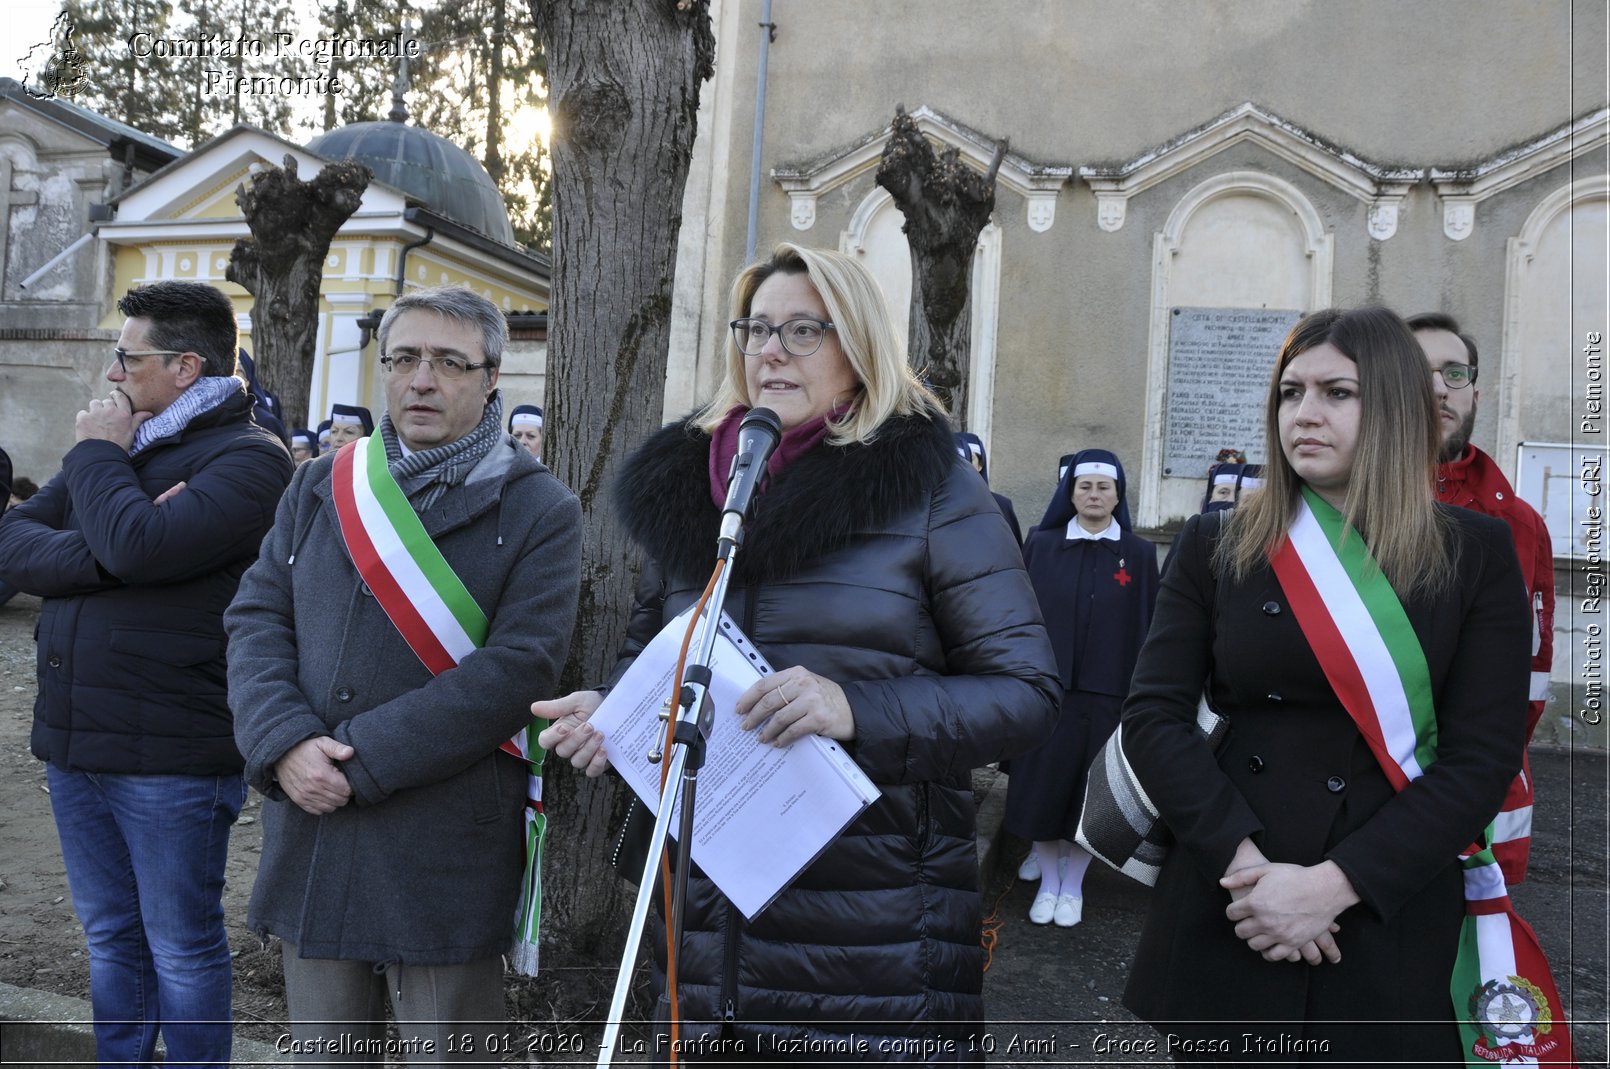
(795, 443)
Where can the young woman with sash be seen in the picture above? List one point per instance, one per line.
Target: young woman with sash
(1330, 897)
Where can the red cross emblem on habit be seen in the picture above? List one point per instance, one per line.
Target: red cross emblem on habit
(1121, 576)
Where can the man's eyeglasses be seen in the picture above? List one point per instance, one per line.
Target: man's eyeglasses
(800, 337)
(404, 365)
(1456, 376)
(125, 355)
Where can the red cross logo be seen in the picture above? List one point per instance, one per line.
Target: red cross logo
(1121, 576)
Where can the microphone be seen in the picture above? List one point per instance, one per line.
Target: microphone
(758, 436)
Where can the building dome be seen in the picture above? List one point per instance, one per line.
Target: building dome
(428, 168)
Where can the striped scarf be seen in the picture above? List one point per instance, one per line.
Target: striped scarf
(203, 395)
(426, 475)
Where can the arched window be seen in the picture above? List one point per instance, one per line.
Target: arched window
(876, 238)
(1243, 239)
(1554, 291)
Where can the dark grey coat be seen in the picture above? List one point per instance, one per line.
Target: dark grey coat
(423, 866)
(888, 569)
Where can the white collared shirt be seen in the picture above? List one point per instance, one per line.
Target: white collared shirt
(1111, 534)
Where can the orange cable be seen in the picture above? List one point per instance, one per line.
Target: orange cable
(992, 926)
(665, 769)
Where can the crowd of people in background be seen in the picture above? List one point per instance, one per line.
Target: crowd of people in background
(366, 622)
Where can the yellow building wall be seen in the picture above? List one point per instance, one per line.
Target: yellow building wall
(357, 264)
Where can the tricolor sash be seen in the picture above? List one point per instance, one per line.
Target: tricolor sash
(435, 614)
(1504, 999)
(1512, 831)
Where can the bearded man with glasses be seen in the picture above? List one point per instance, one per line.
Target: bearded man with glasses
(418, 586)
(136, 547)
(1471, 479)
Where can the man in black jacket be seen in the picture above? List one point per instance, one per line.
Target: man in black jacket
(136, 547)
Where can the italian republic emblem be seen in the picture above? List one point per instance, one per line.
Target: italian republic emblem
(1505, 1012)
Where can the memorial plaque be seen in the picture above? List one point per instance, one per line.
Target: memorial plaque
(1219, 361)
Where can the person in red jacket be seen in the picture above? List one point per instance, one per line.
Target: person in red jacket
(1471, 479)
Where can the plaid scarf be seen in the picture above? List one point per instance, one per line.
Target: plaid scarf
(426, 475)
(203, 395)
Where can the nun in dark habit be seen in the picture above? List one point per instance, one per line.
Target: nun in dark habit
(1226, 481)
(1097, 582)
(1220, 494)
(971, 448)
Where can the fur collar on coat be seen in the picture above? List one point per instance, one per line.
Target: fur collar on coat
(820, 503)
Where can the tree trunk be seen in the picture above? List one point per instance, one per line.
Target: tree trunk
(494, 89)
(946, 204)
(623, 86)
(282, 264)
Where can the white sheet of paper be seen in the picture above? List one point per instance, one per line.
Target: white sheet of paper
(761, 814)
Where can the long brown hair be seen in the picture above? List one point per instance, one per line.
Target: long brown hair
(1391, 495)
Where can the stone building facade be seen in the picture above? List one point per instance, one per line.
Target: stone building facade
(1232, 159)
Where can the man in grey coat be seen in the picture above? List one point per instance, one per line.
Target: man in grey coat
(393, 845)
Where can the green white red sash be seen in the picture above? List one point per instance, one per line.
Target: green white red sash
(1504, 997)
(435, 614)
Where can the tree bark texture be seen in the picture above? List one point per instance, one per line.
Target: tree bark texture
(946, 204)
(623, 86)
(282, 265)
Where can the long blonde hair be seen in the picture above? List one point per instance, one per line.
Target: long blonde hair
(860, 315)
(1391, 492)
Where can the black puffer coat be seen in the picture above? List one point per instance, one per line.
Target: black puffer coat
(887, 568)
(131, 635)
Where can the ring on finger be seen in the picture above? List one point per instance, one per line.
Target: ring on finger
(783, 692)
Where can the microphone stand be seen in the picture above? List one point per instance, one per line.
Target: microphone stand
(694, 716)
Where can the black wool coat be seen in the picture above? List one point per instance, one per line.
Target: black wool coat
(887, 568)
(1296, 776)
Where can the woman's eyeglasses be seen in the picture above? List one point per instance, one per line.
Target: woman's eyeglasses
(799, 337)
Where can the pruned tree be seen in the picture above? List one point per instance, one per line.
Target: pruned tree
(282, 264)
(623, 81)
(946, 204)
(467, 47)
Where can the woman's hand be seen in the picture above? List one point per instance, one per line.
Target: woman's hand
(794, 703)
(569, 735)
(1288, 912)
(1248, 857)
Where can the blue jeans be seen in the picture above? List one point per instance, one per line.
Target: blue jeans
(145, 862)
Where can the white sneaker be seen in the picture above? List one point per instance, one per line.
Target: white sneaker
(1045, 906)
(1030, 869)
(1068, 911)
